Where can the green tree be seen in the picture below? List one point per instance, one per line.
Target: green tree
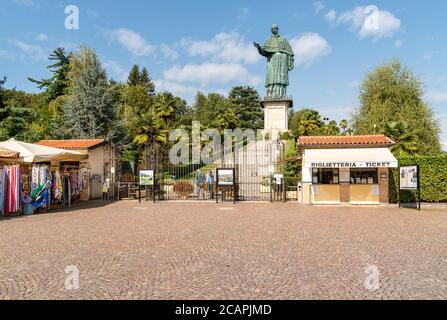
(141, 78)
(89, 111)
(134, 101)
(58, 84)
(227, 120)
(134, 76)
(392, 93)
(2, 103)
(344, 125)
(164, 106)
(331, 129)
(146, 81)
(406, 140)
(208, 108)
(16, 114)
(306, 122)
(247, 105)
(148, 128)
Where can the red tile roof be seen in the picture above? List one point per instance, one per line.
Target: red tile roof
(6, 153)
(72, 144)
(374, 140)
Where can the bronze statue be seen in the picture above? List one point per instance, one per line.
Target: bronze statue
(280, 58)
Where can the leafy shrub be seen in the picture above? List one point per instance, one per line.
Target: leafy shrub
(433, 179)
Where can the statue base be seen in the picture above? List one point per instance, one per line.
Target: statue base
(276, 116)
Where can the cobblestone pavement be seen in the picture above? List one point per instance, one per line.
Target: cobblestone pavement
(173, 250)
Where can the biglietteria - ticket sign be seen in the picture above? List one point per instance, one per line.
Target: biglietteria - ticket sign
(326, 165)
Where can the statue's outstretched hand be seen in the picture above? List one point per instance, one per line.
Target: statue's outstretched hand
(256, 44)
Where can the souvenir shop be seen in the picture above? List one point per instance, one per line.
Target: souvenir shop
(345, 169)
(38, 179)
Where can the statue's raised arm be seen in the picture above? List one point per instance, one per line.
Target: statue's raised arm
(260, 50)
(280, 59)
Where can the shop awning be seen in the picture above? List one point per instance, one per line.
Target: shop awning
(349, 158)
(30, 153)
(6, 153)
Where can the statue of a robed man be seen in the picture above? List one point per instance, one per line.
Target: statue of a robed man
(280, 58)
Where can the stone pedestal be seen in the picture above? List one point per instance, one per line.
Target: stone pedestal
(276, 115)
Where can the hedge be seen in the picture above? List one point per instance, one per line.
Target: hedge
(433, 179)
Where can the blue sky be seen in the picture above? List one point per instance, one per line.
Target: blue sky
(207, 45)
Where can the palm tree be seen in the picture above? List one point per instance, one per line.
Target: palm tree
(344, 125)
(164, 105)
(405, 139)
(148, 129)
(310, 122)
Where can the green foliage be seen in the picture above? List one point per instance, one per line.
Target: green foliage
(406, 140)
(58, 84)
(331, 129)
(134, 76)
(242, 109)
(306, 122)
(89, 111)
(19, 110)
(293, 171)
(393, 93)
(246, 103)
(344, 126)
(433, 179)
(137, 78)
(207, 108)
(148, 128)
(2, 104)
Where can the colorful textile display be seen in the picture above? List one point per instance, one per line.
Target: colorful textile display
(10, 190)
(40, 187)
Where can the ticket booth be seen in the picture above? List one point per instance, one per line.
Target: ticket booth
(346, 169)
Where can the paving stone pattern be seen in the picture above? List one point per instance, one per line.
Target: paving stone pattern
(177, 250)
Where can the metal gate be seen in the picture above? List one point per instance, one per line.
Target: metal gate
(258, 170)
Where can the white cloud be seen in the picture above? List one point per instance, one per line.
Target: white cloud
(174, 87)
(207, 73)
(436, 96)
(370, 21)
(31, 51)
(169, 52)
(42, 37)
(319, 6)
(116, 70)
(227, 47)
(308, 48)
(133, 42)
(331, 16)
